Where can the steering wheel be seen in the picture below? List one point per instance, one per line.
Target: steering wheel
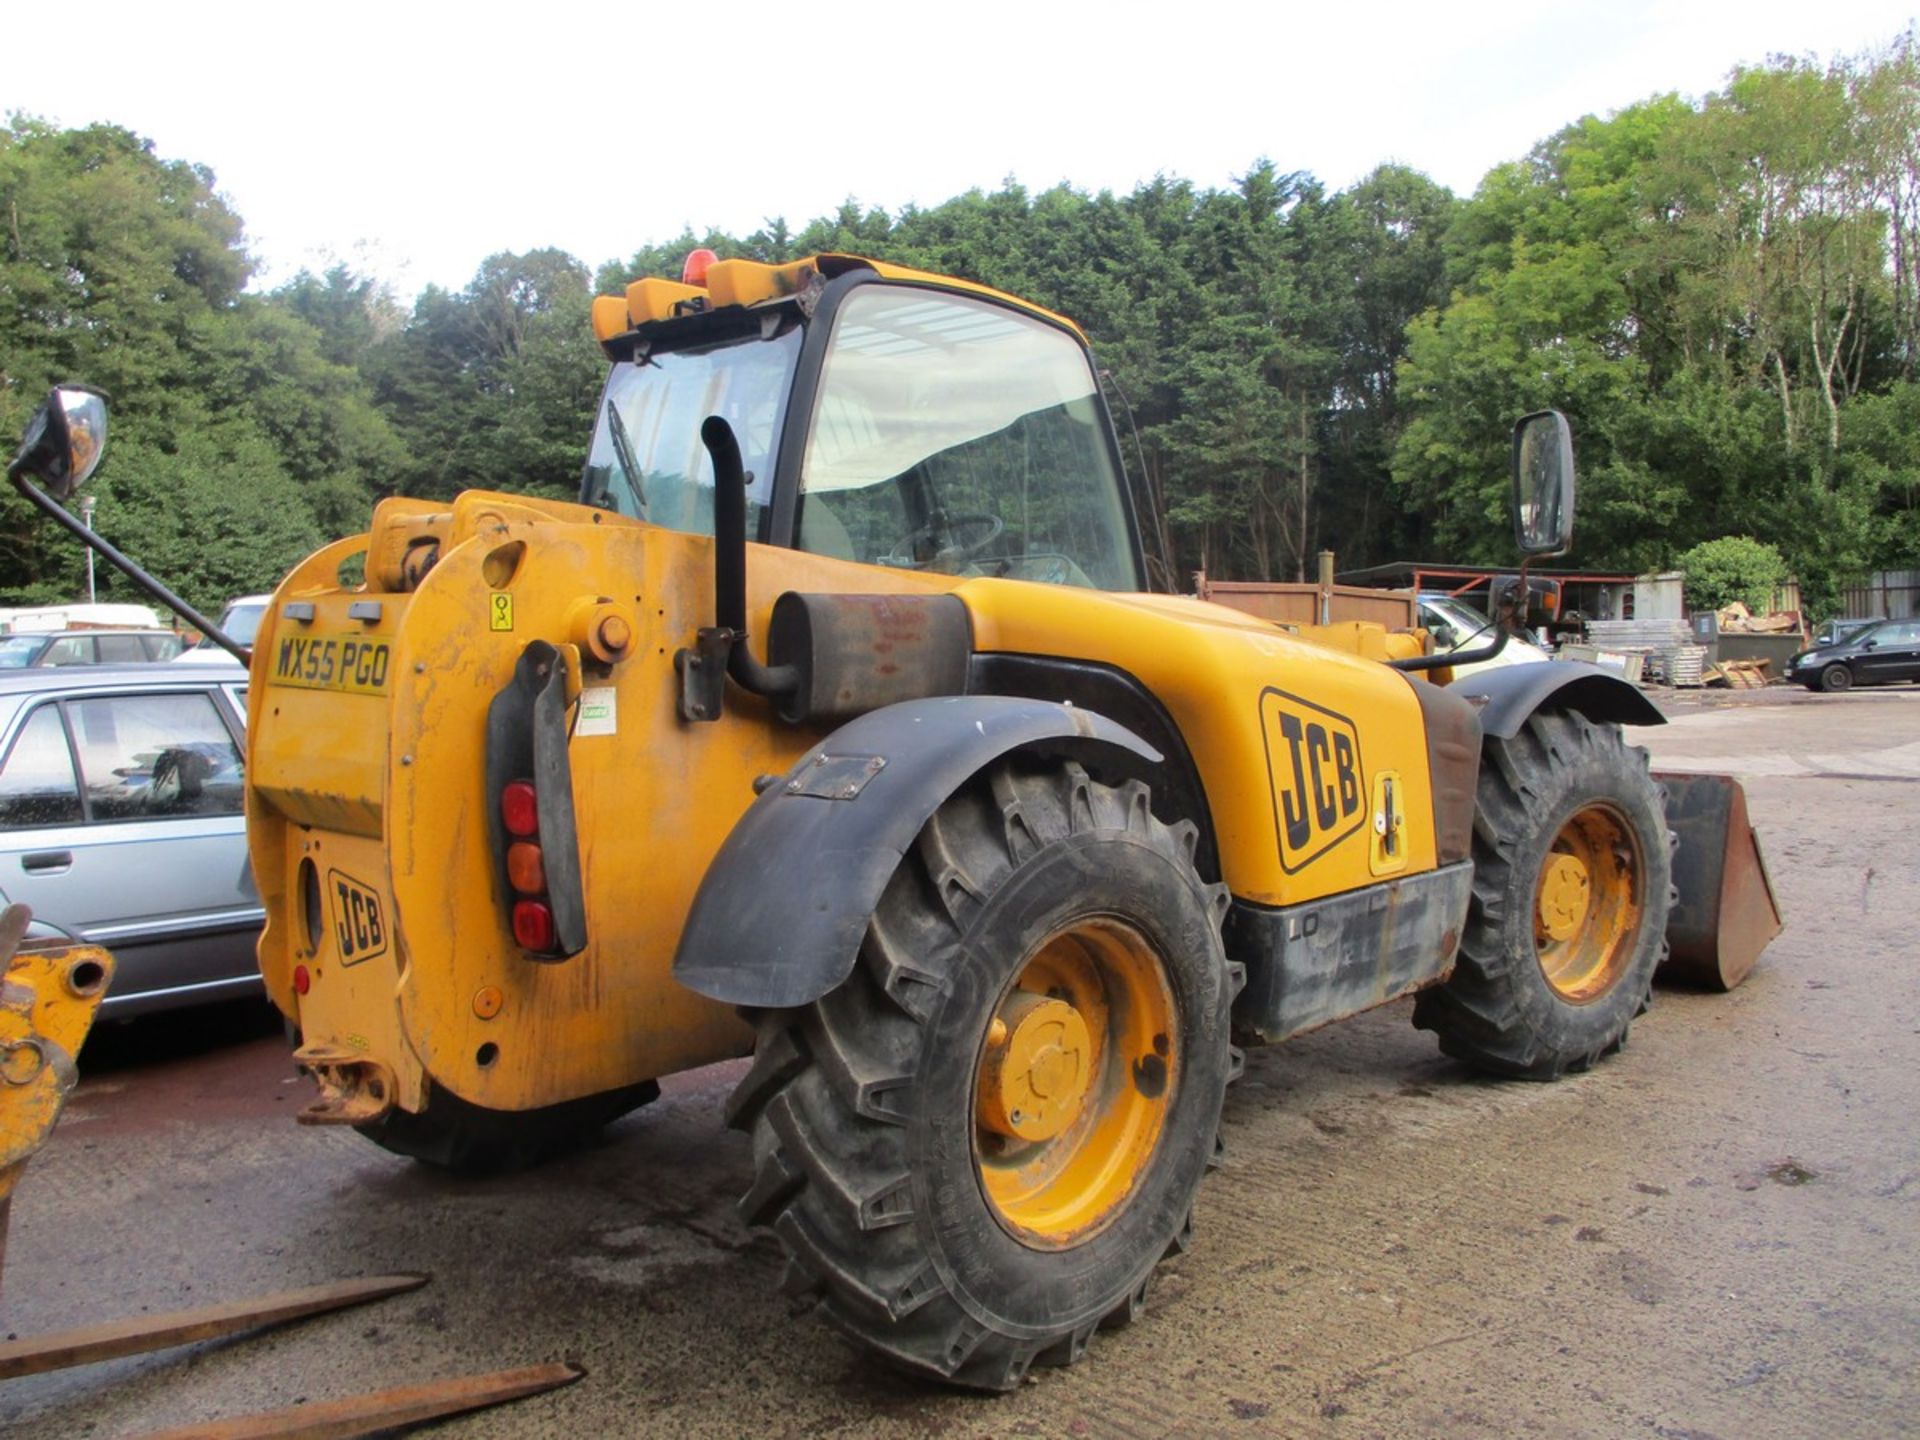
(942, 527)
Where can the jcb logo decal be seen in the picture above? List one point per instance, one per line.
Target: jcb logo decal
(359, 927)
(1313, 759)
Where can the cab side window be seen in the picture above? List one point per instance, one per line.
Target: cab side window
(957, 436)
(37, 784)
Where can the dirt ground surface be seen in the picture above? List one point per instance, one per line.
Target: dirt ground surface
(1714, 1234)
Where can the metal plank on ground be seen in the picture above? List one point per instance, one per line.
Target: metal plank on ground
(384, 1410)
(37, 1354)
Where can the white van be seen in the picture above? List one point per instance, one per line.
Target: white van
(79, 617)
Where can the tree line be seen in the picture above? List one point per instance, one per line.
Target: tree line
(1723, 295)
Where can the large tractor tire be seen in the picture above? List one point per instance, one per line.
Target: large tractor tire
(452, 1134)
(1571, 888)
(976, 1150)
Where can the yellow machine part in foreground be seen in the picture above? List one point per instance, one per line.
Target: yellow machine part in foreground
(49, 995)
(400, 931)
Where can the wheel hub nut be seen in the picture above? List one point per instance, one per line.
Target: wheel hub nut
(1566, 890)
(1035, 1071)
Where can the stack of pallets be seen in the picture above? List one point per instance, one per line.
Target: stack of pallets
(1671, 656)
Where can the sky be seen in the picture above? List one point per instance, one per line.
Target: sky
(411, 140)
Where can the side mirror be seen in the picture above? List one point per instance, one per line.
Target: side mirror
(1543, 483)
(64, 440)
(1444, 637)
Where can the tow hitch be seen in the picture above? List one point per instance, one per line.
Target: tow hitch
(353, 1089)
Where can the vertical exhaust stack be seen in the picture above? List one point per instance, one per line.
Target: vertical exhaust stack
(720, 649)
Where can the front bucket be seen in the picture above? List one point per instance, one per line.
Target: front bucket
(1726, 912)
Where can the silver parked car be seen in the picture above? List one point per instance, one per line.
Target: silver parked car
(121, 821)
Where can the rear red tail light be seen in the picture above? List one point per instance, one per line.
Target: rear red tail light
(520, 809)
(526, 868)
(532, 925)
(532, 825)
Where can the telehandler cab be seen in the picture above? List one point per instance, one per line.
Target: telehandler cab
(833, 726)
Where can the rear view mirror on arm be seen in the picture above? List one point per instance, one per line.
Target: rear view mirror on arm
(61, 450)
(64, 440)
(1543, 483)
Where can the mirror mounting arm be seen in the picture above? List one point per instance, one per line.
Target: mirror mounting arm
(100, 546)
(1448, 659)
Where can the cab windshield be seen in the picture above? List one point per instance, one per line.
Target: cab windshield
(647, 460)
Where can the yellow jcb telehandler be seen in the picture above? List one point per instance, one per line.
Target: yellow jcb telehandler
(833, 725)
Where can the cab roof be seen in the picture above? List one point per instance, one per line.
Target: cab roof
(746, 283)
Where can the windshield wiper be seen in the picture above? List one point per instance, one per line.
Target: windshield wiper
(623, 447)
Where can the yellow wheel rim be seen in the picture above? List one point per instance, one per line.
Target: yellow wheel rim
(1077, 1069)
(1587, 904)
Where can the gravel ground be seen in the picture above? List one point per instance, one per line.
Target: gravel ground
(1716, 1234)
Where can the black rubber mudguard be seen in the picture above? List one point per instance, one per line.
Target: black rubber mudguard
(778, 920)
(1508, 694)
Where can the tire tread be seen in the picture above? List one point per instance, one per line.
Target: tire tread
(1480, 1015)
(831, 1177)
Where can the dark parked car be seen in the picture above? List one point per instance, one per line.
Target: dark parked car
(121, 821)
(1878, 654)
(87, 647)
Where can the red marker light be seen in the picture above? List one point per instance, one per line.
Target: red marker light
(302, 981)
(694, 272)
(532, 925)
(526, 867)
(520, 809)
